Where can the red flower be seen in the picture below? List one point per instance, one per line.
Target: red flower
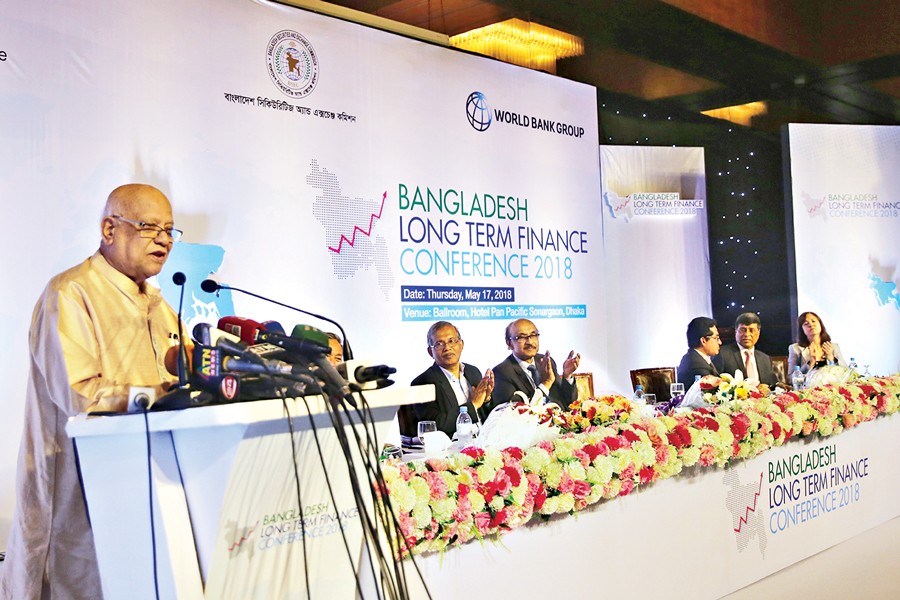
(646, 475)
(627, 486)
(540, 497)
(473, 452)
(631, 436)
(515, 478)
(498, 519)
(614, 443)
(776, 429)
(593, 451)
(514, 452)
(740, 425)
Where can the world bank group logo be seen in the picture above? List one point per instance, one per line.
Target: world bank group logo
(478, 112)
(292, 64)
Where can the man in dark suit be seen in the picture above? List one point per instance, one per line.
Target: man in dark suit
(455, 384)
(703, 343)
(528, 371)
(743, 355)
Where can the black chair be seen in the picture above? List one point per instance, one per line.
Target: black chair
(654, 381)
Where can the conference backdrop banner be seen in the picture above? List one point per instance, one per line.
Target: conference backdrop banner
(656, 253)
(378, 180)
(845, 189)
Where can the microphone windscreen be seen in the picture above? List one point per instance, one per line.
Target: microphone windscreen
(246, 329)
(179, 278)
(201, 334)
(209, 286)
(312, 335)
(273, 327)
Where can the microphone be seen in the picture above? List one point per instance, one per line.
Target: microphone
(179, 279)
(366, 376)
(210, 286)
(202, 334)
(246, 329)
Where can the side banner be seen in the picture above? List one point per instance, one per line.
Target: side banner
(845, 187)
(656, 253)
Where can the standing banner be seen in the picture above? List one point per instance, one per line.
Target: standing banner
(378, 180)
(656, 253)
(845, 190)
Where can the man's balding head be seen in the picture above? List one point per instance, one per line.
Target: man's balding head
(131, 238)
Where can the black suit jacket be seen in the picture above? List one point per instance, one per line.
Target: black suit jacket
(444, 409)
(509, 378)
(729, 359)
(691, 365)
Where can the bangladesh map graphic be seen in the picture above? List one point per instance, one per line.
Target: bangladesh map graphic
(884, 279)
(350, 226)
(744, 504)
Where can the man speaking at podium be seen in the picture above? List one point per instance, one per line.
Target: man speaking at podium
(97, 329)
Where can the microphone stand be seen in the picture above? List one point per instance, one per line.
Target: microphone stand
(210, 286)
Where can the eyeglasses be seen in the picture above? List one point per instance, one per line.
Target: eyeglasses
(151, 231)
(712, 337)
(445, 343)
(522, 337)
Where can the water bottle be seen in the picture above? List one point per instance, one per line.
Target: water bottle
(638, 396)
(853, 366)
(464, 426)
(797, 378)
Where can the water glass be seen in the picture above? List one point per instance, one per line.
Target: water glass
(426, 427)
(393, 452)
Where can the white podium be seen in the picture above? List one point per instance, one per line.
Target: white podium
(193, 454)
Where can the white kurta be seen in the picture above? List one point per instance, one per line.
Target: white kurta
(93, 333)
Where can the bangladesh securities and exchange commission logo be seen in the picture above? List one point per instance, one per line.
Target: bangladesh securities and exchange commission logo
(478, 111)
(292, 64)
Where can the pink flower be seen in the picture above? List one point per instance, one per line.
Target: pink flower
(707, 455)
(627, 486)
(566, 484)
(582, 457)
(581, 489)
(436, 485)
(502, 483)
(483, 522)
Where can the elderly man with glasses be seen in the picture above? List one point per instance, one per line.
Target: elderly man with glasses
(703, 343)
(455, 383)
(97, 329)
(526, 372)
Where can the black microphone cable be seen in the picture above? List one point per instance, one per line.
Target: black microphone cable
(143, 405)
(210, 286)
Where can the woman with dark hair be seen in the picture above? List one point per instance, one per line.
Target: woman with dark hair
(814, 347)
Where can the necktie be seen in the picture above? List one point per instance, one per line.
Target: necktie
(748, 366)
(534, 376)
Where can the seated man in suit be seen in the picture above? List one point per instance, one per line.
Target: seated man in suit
(703, 343)
(526, 370)
(455, 383)
(743, 355)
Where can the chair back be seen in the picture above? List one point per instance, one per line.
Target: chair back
(654, 381)
(780, 366)
(584, 384)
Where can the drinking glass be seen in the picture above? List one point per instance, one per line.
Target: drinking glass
(650, 399)
(426, 427)
(393, 452)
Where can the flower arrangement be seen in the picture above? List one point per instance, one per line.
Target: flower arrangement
(605, 450)
(725, 388)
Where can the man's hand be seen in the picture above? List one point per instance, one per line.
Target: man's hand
(571, 364)
(545, 369)
(480, 394)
